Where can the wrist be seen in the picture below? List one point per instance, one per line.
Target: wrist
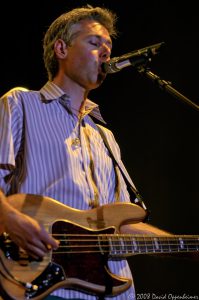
(5, 210)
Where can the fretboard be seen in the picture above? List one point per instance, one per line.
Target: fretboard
(126, 245)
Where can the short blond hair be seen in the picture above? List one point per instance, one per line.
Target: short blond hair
(61, 29)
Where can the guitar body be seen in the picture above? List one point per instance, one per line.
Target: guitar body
(78, 263)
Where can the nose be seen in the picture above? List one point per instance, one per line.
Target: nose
(105, 52)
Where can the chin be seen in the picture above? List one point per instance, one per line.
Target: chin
(95, 85)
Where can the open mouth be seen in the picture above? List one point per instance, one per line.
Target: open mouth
(102, 68)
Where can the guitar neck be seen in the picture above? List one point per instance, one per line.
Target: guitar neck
(127, 244)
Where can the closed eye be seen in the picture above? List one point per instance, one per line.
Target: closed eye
(94, 44)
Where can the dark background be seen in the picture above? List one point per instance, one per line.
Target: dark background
(158, 133)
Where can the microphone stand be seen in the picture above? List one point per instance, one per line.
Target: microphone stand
(165, 85)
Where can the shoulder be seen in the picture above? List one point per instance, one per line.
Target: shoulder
(18, 95)
(14, 91)
(16, 100)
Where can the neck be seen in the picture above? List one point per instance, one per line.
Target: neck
(77, 94)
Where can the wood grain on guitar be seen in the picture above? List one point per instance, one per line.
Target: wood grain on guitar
(87, 240)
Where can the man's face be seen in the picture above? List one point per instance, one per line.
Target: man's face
(90, 47)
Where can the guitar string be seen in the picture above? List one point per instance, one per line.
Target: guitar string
(137, 236)
(123, 254)
(176, 240)
(129, 238)
(187, 243)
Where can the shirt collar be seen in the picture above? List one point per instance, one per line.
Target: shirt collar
(50, 91)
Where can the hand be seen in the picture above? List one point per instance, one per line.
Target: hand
(27, 233)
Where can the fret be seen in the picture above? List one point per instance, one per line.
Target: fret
(149, 244)
(117, 245)
(192, 244)
(120, 245)
(141, 244)
(135, 245)
(111, 246)
(124, 245)
(173, 244)
(156, 245)
(165, 245)
(182, 245)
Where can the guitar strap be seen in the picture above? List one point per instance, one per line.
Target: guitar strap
(134, 194)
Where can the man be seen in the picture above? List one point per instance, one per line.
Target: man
(51, 145)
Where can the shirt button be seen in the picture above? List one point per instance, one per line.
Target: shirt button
(75, 142)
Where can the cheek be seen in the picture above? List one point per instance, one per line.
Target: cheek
(78, 61)
(83, 64)
(88, 58)
(94, 56)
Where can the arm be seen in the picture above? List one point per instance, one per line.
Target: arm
(143, 228)
(26, 232)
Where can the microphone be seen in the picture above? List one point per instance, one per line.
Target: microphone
(135, 58)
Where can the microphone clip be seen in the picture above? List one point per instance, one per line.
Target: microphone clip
(137, 58)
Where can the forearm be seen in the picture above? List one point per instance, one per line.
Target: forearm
(143, 228)
(5, 209)
(2, 203)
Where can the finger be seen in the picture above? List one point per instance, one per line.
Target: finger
(37, 251)
(48, 240)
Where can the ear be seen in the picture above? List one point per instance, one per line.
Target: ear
(60, 49)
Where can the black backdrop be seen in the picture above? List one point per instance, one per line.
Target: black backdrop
(158, 134)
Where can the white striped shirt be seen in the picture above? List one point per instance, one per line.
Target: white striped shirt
(46, 150)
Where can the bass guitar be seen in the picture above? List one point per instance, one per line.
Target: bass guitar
(88, 238)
